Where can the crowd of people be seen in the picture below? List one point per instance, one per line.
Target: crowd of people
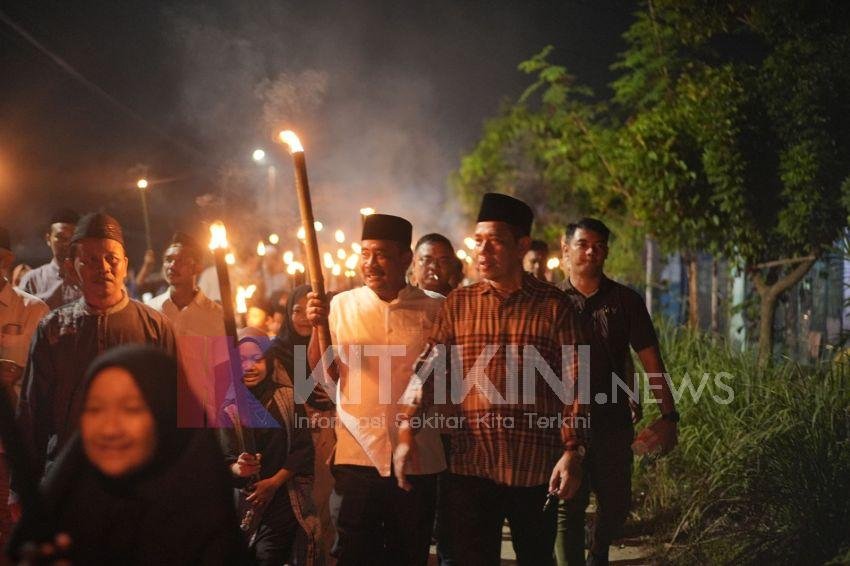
(446, 407)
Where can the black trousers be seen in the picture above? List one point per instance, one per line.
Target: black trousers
(608, 472)
(276, 534)
(472, 511)
(379, 523)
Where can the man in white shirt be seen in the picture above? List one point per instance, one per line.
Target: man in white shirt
(54, 281)
(19, 316)
(379, 330)
(199, 327)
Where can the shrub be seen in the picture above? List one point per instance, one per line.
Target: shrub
(762, 479)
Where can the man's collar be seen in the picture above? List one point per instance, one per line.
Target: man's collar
(526, 286)
(403, 294)
(604, 283)
(125, 300)
(197, 297)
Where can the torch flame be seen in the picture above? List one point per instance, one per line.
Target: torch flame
(367, 211)
(329, 260)
(469, 243)
(241, 303)
(218, 235)
(301, 234)
(351, 262)
(461, 254)
(288, 257)
(230, 259)
(341, 254)
(261, 249)
(339, 236)
(249, 292)
(553, 263)
(289, 138)
(356, 247)
(142, 183)
(274, 238)
(336, 270)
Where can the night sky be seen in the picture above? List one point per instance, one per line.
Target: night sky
(386, 96)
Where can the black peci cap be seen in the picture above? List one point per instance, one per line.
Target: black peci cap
(388, 227)
(496, 207)
(98, 225)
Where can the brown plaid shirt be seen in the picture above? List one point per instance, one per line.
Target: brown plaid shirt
(500, 437)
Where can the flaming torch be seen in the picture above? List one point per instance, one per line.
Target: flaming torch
(308, 223)
(218, 245)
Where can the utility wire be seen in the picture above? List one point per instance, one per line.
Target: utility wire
(94, 88)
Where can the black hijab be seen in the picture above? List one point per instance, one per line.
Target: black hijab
(176, 509)
(283, 346)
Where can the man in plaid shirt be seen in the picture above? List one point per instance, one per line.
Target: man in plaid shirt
(520, 431)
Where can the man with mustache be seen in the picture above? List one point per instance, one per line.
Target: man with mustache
(435, 266)
(199, 325)
(515, 448)
(379, 330)
(73, 335)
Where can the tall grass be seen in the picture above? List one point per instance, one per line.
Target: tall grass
(762, 479)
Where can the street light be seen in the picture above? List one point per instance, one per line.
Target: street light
(142, 185)
(259, 155)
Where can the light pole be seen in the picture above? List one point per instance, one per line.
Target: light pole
(142, 185)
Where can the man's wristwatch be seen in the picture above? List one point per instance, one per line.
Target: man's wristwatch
(672, 416)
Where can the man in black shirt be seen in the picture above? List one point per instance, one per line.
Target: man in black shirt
(614, 318)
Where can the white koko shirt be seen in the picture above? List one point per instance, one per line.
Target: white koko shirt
(19, 316)
(201, 345)
(378, 344)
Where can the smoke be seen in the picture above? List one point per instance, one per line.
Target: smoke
(370, 138)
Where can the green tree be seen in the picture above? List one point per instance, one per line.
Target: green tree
(727, 133)
(549, 149)
(737, 141)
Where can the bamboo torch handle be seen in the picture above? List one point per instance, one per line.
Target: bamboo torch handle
(317, 282)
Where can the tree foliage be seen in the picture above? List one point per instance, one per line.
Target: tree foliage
(728, 131)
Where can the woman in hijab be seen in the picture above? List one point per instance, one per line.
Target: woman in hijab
(132, 488)
(295, 335)
(273, 461)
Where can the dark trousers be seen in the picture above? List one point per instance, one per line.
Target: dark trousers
(472, 511)
(608, 472)
(380, 524)
(276, 533)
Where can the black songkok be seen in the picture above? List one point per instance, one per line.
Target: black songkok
(64, 216)
(388, 227)
(184, 239)
(497, 207)
(98, 225)
(189, 243)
